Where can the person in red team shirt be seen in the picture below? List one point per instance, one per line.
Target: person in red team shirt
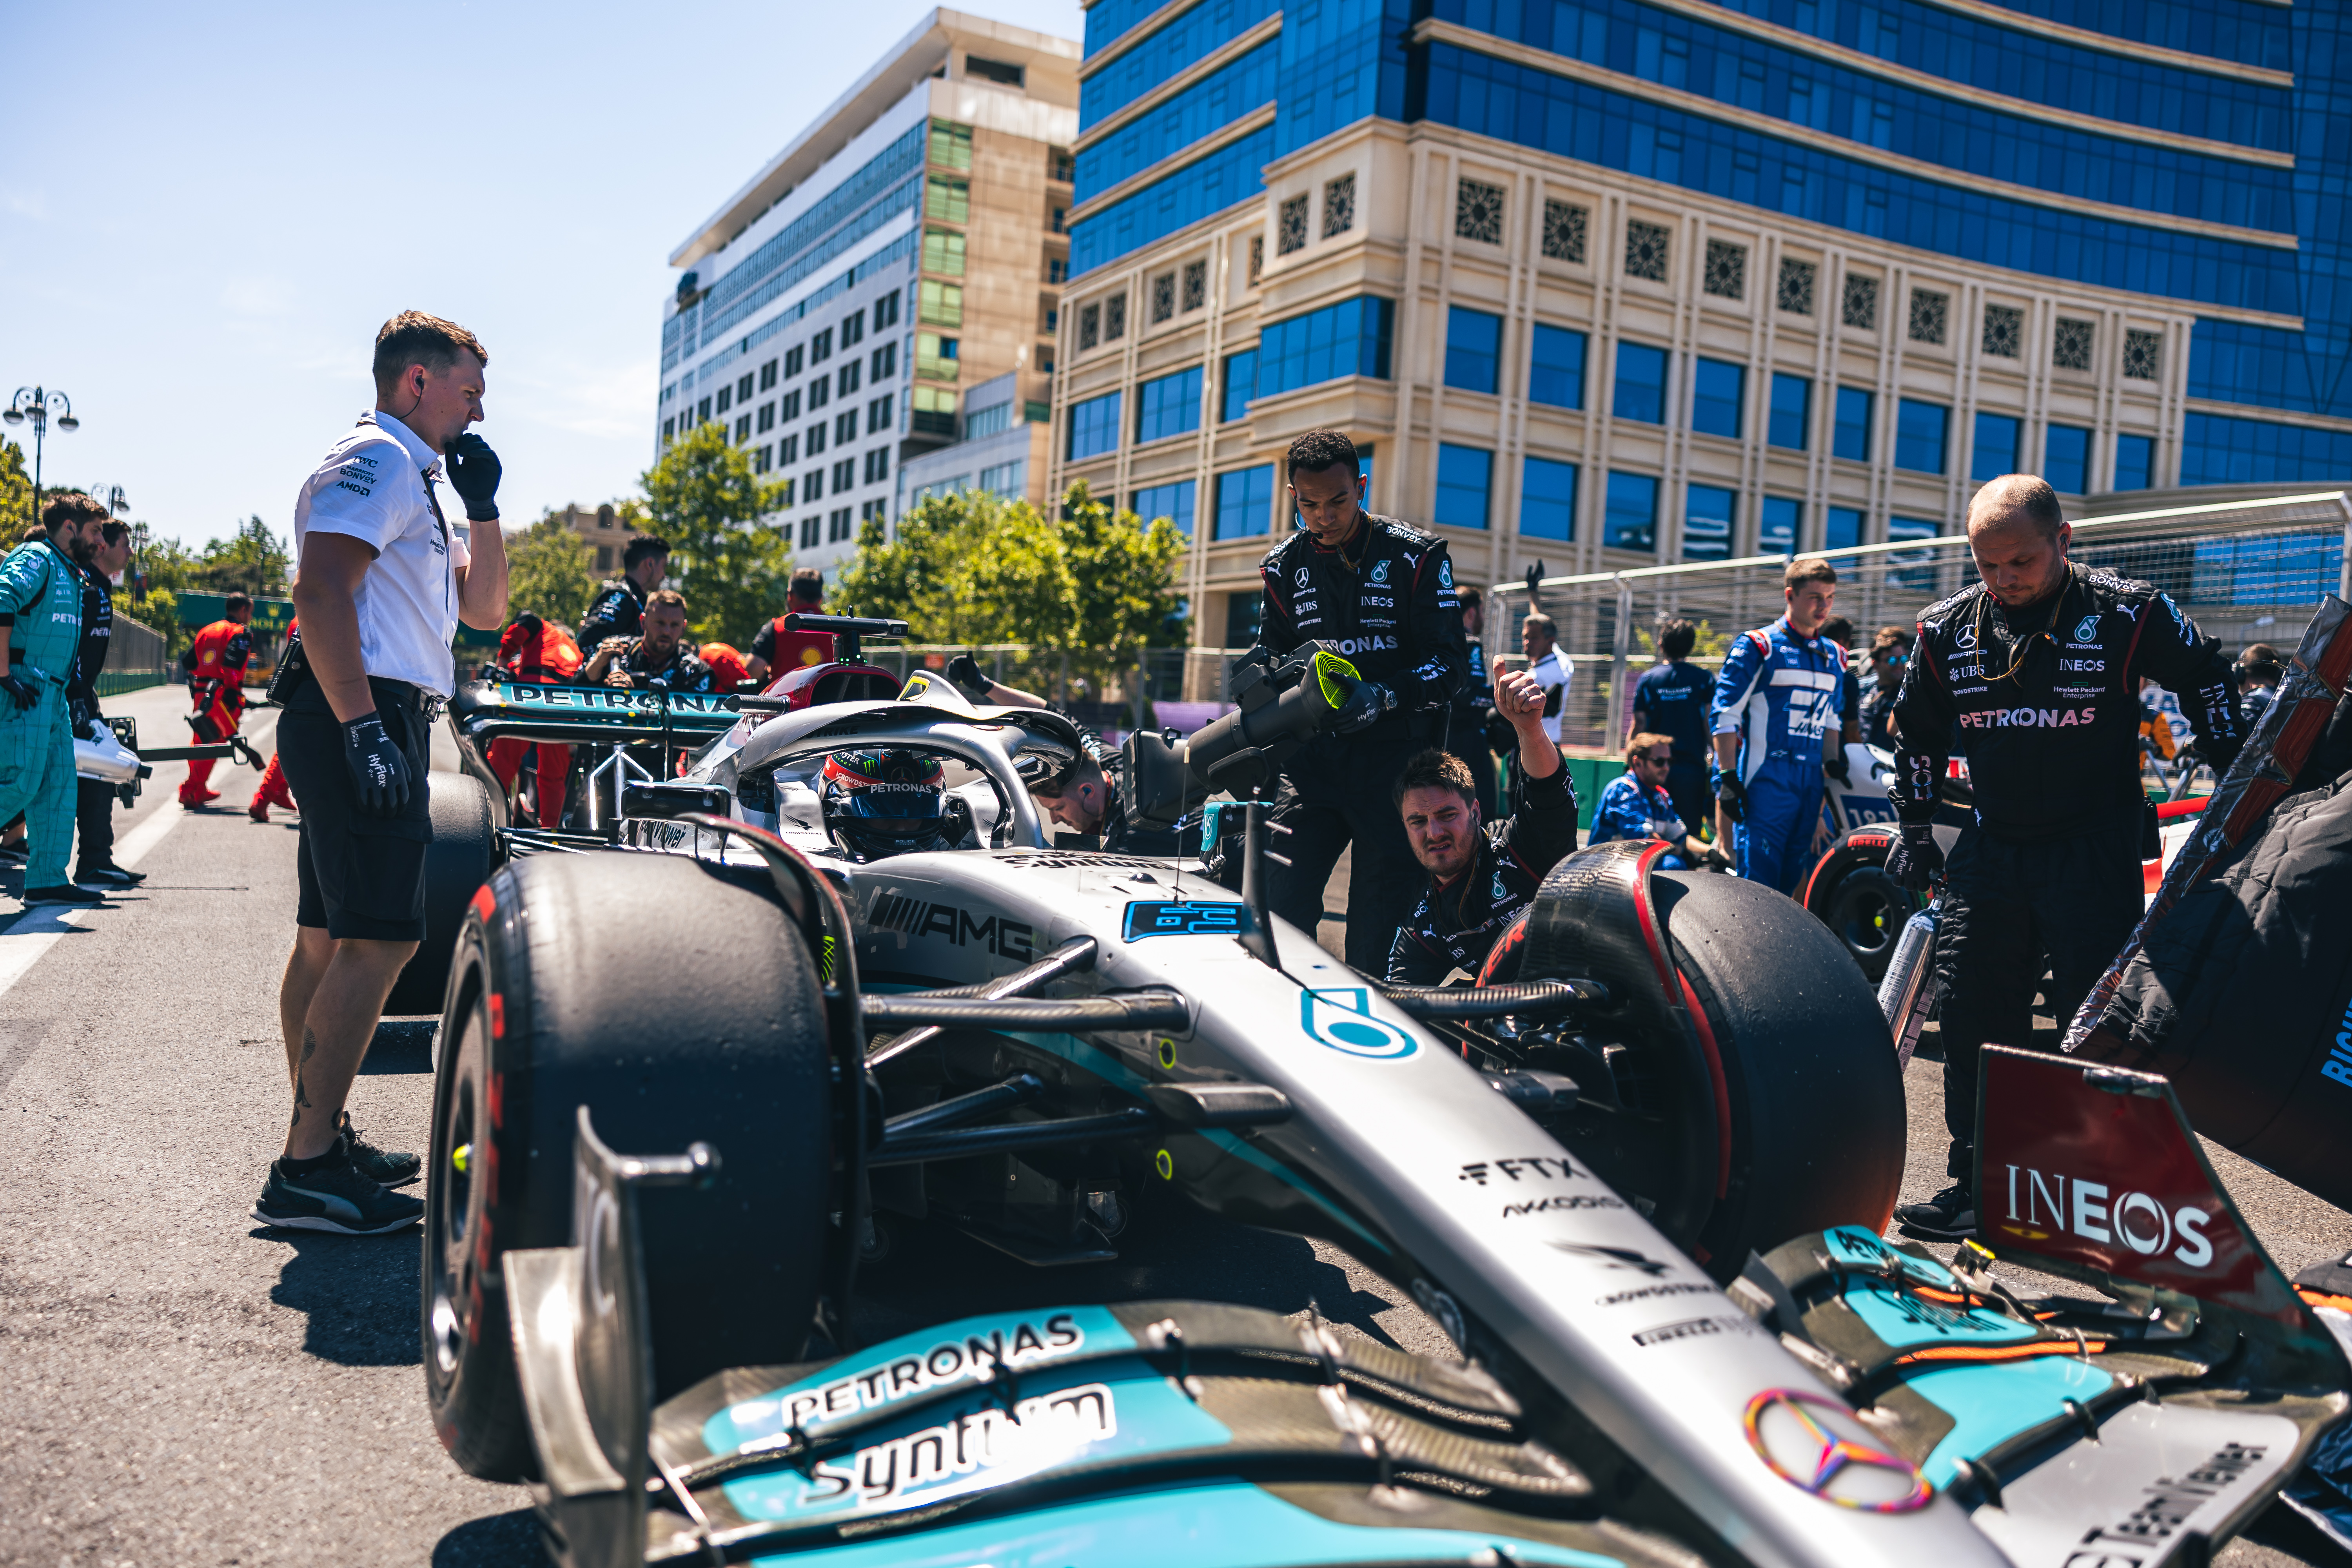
(272, 790)
(728, 669)
(776, 651)
(534, 652)
(216, 664)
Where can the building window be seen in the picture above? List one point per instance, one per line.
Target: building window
(1164, 298)
(1861, 303)
(1473, 339)
(1565, 225)
(988, 421)
(1478, 212)
(819, 347)
(941, 306)
(1928, 310)
(809, 526)
(2143, 355)
(1641, 383)
(1707, 514)
(788, 449)
(702, 412)
(788, 407)
(947, 201)
(846, 379)
(743, 388)
(2004, 331)
(762, 459)
(1850, 437)
(2066, 459)
(1719, 391)
(1796, 295)
(1630, 514)
(669, 429)
(1290, 231)
(1094, 427)
(877, 465)
(2069, 349)
(879, 414)
(726, 398)
(1996, 448)
(1465, 475)
(1240, 386)
(885, 310)
(1061, 164)
(845, 475)
(784, 491)
(2135, 462)
(604, 558)
(883, 363)
(768, 376)
(1547, 500)
(819, 393)
(1726, 269)
(1173, 502)
(743, 428)
(838, 525)
(950, 145)
(936, 358)
(1243, 614)
(1089, 326)
(1919, 431)
(1352, 337)
(1645, 249)
(1012, 479)
(1196, 285)
(1556, 367)
(1778, 523)
(1841, 528)
(1792, 411)
(1167, 406)
(813, 485)
(997, 71)
(1114, 318)
(1256, 258)
(1057, 270)
(816, 439)
(1244, 503)
(1338, 206)
(933, 411)
(943, 252)
(844, 426)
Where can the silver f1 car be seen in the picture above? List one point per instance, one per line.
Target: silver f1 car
(837, 978)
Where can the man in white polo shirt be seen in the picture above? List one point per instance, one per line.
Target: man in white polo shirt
(381, 583)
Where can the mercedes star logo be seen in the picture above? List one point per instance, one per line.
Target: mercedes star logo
(1834, 1469)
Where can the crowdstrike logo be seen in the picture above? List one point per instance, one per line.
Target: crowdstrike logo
(2029, 718)
(2089, 1209)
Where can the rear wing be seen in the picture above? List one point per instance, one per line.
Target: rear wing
(595, 715)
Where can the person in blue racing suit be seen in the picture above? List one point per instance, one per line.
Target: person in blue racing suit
(1781, 693)
(1636, 803)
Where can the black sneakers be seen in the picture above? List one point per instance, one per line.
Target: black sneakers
(1949, 1216)
(335, 1197)
(68, 894)
(385, 1167)
(107, 874)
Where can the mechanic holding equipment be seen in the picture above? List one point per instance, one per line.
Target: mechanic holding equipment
(381, 583)
(1673, 699)
(1636, 803)
(619, 606)
(774, 650)
(1381, 593)
(1473, 705)
(40, 608)
(215, 664)
(534, 652)
(1078, 787)
(101, 550)
(2040, 665)
(1479, 877)
(659, 661)
(1776, 703)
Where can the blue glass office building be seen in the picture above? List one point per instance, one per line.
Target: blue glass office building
(1694, 278)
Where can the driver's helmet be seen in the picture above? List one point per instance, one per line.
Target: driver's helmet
(889, 802)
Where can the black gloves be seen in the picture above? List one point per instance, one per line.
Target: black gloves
(2222, 756)
(21, 691)
(1367, 706)
(963, 673)
(378, 770)
(1836, 768)
(1732, 795)
(474, 475)
(1915, 857)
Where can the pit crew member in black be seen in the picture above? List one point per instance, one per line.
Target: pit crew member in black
(2038, 666)
(1381, 592)
(101, 550)
(1079, 790)
(1479, 875)
(659, 661)
(619, 606)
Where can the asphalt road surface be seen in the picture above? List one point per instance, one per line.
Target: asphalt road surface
(185, 1387)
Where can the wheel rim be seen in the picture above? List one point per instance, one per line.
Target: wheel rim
(453, 1213)
(1866, 921)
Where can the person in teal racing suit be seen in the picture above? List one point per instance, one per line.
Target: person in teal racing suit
(1778, 699)
(40, 605)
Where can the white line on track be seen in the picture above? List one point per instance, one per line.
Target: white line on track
(37, 930)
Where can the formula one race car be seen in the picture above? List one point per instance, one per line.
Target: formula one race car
(835, 980)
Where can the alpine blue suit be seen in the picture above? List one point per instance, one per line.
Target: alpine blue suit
(1781, 693)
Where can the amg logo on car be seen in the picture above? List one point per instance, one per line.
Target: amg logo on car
(1048, 1427)
(1002, 936)
(2136, 1219)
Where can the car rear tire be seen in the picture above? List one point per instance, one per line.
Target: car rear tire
(463, 854)
(1853, 896)
(678, 1001)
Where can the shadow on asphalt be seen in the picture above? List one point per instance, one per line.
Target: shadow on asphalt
(500, 1541)
(358, 1292)
(402, 1044)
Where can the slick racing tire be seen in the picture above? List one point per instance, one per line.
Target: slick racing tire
(460, 858)
(678, 1001)
(1853, 896)
(1783, 1114)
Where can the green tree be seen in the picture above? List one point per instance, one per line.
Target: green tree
(1123, 577)
(15, 491)
(733, 568)
(253, 559)
(548, 572)
(967, 568)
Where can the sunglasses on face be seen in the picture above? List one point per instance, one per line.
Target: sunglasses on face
(1662, 762)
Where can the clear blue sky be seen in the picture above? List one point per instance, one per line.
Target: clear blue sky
(205, 213)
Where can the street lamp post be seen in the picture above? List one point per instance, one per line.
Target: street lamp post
(33, 403)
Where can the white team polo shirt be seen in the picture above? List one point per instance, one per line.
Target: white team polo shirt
(372, 485)
(1553, 673)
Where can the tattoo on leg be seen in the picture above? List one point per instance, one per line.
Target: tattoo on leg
(309, 1042)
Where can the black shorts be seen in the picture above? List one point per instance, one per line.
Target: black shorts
(362, 876)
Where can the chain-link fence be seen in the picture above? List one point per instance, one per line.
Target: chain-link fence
(2246, 571)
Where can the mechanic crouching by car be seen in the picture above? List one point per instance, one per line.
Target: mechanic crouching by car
(2039, 664)
(619, 606)
(658, 661)
(1382, 592)
(1777, 703)
(1077, 786)
(1477, 876)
